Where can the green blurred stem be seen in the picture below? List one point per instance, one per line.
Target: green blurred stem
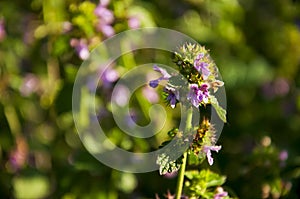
(180, 180)
(12, 119)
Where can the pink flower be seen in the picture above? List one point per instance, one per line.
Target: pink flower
(81, 48)
(107, 30)
(221, 193)
(208, 149)
(134, 22)
(198, 94)
(106, 16)
(201, 66)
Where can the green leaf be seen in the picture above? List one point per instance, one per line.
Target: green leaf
(166, 165)
(220, 111)
(202, 184)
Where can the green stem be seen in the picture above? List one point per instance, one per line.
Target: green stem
(181, 177)
(180, 180)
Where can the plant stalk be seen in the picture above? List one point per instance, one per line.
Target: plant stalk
(180, 179)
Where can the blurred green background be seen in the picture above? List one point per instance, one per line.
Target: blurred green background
(255, 44)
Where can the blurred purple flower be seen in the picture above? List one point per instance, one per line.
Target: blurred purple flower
(208, 149)
(106, 18)
(18, 156)
(107, 30)
(201, 66)
(221, 193)
(166, 76)
(81, 48)
(281, 87)
(2, 30)
(283, 155)
(150, 94)
(131, 119)
(134, 22)
(66, 26)
(121, 95)
(197, 95)
(173, 96)
(108, 76)
(30, 85)
(105, 15)
(104, 3)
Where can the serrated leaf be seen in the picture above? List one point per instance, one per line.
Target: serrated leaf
(166, 165)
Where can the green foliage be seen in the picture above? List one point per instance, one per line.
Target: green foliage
(203, 184)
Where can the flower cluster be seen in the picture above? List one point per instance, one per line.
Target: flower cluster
(203, 141)
(200, 72)
(105, 18)
(194, 85)
(81, 48)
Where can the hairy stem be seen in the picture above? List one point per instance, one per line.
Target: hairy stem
(180, 180)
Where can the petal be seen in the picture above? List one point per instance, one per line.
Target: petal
(209, 158)
(107, 30)
(205, 72)
(165, 74)
(172, 103)
(200, 56)
(215, 148)
(154, 83)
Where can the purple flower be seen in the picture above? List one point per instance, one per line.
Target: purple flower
(81, 48)
(201, 66)
(154, 83)
(221, 193)
(30, 85)
(107, 30)
(134, 22)
(108, 76)
(208, 149)
(66, 26)
(173, 96)
(106, 16)
(281, 87)
(197, 95)
(121, 95)
(166, 76)
(104, 3)
(283, 155)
